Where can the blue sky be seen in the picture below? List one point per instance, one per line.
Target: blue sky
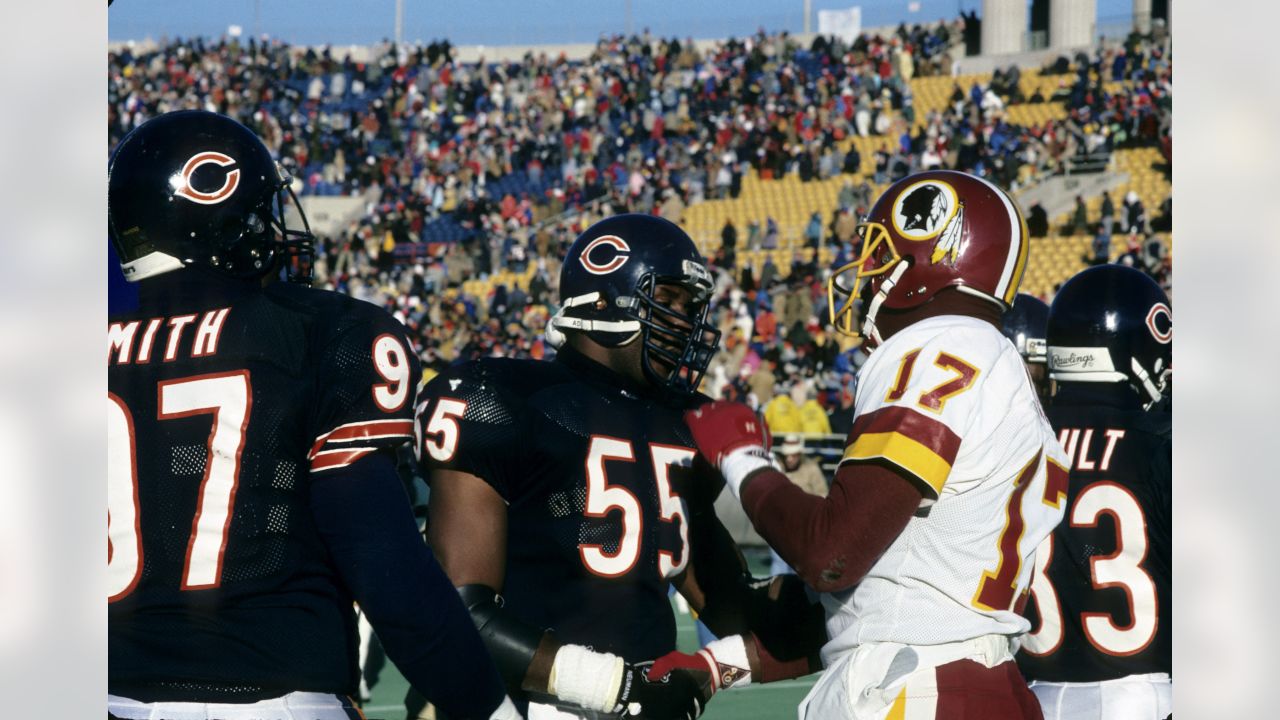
(502, 22)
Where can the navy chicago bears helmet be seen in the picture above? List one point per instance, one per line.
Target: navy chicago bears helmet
(607, 290)
(1025, 325)
(1112, 323)
(198, 188)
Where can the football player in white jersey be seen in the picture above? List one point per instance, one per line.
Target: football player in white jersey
(950, 479)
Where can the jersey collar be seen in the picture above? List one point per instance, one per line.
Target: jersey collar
(595, 373)
(1117, 395)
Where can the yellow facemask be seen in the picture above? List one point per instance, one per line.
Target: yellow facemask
(845, 283)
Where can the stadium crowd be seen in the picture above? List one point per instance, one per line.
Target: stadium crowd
(469, 170)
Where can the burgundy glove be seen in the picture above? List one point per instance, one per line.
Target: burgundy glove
(721, 427)
(732, 438)
(721, 664)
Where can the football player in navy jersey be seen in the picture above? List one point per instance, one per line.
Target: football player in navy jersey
(565, 497)
(1025, 325)
(252, 488)
(1100, 596)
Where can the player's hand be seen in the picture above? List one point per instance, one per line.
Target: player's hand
(723, 663)
(673, 694)
(721, 427)
(733, 439)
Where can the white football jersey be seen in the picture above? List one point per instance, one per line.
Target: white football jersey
(948, 402)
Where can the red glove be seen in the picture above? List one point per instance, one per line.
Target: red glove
(722, 663)
(733, 438)
(721, 427)
(697, 664)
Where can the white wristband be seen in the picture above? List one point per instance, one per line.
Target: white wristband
(506, 711)
(586, 678)
(740, 463)
(728, 659)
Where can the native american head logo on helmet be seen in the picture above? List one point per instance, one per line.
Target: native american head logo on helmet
(923, 207)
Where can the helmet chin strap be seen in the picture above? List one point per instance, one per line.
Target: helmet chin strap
(555, 338)
(1152, 391)
(558, 323)
(869, 328)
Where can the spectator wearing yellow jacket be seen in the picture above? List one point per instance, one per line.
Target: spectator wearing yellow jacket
(813, 419)
(783, 416)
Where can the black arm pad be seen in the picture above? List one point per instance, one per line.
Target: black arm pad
(510, 641)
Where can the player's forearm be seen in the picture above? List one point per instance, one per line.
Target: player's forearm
(523, 652)
(533, 661)
(766, 667)
(368, 528)
(831, 542)
(776, 611)
(462, 683)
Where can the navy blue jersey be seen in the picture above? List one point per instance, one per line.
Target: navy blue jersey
(224, 401)
(1100, 606)
(594, 471)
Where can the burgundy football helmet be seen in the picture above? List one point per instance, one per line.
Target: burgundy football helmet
(930, 231)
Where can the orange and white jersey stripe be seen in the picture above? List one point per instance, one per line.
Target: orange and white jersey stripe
(948, 403)
(347, 443)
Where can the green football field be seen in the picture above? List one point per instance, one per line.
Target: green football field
(776, 701)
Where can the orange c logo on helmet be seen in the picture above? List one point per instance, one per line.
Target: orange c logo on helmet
(622, 253)
(1160, 323)
(229, 183)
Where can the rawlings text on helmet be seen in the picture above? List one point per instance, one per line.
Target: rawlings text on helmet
(1112, 324)
(183, 186)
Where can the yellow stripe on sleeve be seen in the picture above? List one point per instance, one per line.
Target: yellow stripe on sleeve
(910, 455)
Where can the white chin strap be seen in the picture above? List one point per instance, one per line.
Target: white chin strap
(1152, 391)
(150, 265)
(869, 328)
(559, 322)
(554, 337)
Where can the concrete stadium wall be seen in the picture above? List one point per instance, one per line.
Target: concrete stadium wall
(329, 214)
(983, 64)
